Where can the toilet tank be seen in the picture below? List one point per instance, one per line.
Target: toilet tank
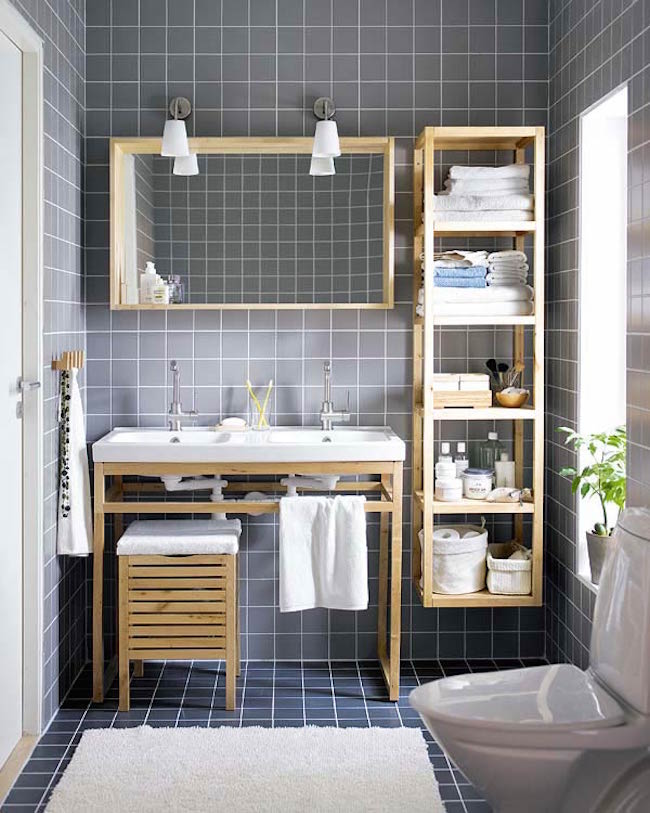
(620, 638)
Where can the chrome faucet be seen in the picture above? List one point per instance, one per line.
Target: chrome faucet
(176, 413)
(327, 412)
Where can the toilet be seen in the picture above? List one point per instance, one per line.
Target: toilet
(555, 738)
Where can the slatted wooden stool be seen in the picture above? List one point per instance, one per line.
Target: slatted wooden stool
(177, 596)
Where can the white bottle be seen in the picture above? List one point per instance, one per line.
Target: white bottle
(461, 460)
(160, 295)
(504, 471)
(148, 280)
(445, 467)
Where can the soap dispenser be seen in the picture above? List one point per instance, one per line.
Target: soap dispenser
(148, 280)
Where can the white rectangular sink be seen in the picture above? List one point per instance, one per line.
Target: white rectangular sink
(278, 445)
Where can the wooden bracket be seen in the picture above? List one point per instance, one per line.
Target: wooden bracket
(69, 360)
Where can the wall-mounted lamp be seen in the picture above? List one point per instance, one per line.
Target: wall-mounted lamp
(326, 137)
(322, 166)
(186, 165)
(174, 141)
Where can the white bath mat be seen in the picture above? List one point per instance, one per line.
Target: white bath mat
(248, 770)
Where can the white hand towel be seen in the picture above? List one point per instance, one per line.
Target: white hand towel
(490, 173)
(477, 186)
(323, 553)
(75, 530)
(483, 214)
(472, 203)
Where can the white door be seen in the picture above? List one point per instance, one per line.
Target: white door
(11, 468)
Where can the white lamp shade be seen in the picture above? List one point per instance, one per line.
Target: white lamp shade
(322, 166)
(326, 140)
(186, 165)
(174, 142)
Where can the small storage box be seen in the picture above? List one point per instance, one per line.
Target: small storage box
(459, 560)
(510, 577)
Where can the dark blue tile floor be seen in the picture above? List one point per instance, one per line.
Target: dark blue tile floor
(338, 693)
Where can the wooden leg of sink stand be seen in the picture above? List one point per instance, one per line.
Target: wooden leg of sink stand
(395, 583)
(98, 586)
(383, 581)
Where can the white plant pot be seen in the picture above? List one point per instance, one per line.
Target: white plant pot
(597, 547)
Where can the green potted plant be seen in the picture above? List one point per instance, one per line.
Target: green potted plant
(602, 477)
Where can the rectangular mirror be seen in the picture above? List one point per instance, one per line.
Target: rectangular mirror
(253, 229)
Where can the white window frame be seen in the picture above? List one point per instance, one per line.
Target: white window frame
(602, 209)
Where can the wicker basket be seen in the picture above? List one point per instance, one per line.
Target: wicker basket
(508, 576)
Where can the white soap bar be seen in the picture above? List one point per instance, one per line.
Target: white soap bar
(233, 423)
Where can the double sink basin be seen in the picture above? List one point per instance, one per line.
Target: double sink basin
(283, 444)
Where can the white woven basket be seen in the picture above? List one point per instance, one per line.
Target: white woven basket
(459, 564)
(508, 576)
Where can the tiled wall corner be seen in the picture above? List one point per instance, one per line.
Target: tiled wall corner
(593, 48)
(61, 25)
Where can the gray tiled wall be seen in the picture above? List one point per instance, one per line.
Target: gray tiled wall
(61, 26)
(255, 68)
(594, 47)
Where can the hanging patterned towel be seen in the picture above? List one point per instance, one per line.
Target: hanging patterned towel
(74, 531)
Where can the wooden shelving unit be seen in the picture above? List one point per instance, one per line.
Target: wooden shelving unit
(425, 507)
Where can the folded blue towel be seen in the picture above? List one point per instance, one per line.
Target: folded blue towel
(459, 282)
(473, 272)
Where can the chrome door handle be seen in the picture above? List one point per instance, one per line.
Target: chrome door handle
(25, 386)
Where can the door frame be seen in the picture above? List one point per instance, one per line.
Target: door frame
(20, 32)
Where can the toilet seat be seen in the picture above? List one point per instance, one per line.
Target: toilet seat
(556, 698)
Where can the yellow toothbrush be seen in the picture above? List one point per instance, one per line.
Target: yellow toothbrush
(264, 405)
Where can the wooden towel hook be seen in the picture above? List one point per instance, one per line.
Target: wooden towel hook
(69, 359)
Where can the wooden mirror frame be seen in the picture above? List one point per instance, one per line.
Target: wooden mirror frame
(243, 146)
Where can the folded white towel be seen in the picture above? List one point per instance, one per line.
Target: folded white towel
(508, 279)
(490, 173)
(472, 203)
(75, 528)
(478, 186)
(518, 308)
(507, 255)
(323, 553)
(500, 293)
(180, 537)
(458, 258)
(483, 214)
(515, 265)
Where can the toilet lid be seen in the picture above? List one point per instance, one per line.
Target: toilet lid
(559, 696)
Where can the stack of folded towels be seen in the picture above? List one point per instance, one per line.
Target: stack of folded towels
(507, 268)
(459, 269)
(485, 193)
(475, 283)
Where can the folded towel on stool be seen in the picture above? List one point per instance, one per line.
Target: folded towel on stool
(180, 537)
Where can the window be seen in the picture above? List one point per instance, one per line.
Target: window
(602, 299)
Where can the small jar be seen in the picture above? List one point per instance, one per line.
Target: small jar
(176, 289)
(477, 483)
(449, 489)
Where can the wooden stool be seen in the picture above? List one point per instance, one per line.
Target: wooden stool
(177, 596)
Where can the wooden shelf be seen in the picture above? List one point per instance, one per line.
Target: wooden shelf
(428, 421)
(481, 228)
(487, 414)
(481, 599)
(468, 321)
(465, 506)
